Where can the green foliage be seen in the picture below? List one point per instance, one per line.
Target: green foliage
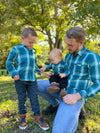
(51, 19)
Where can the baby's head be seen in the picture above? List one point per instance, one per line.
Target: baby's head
(55, 56)
(29, 37)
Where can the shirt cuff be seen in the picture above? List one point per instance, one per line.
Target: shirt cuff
(67, 73)
(83, 94)
(14, 73)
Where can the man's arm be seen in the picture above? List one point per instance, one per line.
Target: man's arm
(94, 74)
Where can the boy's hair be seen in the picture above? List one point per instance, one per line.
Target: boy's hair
(77, 33)
(55, 52)
(28, 31)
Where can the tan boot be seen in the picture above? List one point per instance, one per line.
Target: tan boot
(53, 88)
(41, 123)
(23, 122)
(63, 93)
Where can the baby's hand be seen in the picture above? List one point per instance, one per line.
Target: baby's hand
(16, 77)
(50, 74)
(62, 75)
(43, 69)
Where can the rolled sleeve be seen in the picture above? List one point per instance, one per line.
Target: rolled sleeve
(48, 67)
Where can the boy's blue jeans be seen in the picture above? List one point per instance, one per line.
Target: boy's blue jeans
(66, 119)
(24, 88)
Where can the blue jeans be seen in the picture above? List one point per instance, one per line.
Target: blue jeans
(66, 119)
(52, 98)
(31, 88)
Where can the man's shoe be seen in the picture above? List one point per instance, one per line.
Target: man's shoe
(23, 123)
(41, 123)
(63, 93)
(53, 88)
(82, 114)
(49, 110)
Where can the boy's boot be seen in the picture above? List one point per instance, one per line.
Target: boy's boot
(63, 93)
(23, 123)
(53, 88)
(41, 123)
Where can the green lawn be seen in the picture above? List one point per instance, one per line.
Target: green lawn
(9, 112)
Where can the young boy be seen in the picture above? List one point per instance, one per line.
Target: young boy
(60, 72)
(24, 74)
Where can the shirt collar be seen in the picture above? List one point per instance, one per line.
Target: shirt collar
(60, 61)
(81, 51)
(22, 45)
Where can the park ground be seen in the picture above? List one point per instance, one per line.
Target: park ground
(9, 119)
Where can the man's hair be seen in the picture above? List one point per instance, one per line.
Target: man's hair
(77, 33)
(28, 31)
(55, 52)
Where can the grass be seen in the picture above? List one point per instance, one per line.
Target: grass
(9, 112)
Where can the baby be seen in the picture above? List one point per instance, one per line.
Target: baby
(60, 73)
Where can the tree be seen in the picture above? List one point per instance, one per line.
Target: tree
(51, 17)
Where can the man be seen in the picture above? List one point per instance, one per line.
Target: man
(83, 82)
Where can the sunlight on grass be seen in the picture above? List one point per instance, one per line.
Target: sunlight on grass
(10, 105)
(5, 78)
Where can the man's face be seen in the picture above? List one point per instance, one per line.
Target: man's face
(29, 41)
(73, 46)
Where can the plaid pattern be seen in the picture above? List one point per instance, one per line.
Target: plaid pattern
(84, 73)
(25, 60)
(61, 67)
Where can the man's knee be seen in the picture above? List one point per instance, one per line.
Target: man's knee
(42, 85)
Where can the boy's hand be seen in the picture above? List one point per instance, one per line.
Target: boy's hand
(43, 69)
(16, 77)
(62, 75)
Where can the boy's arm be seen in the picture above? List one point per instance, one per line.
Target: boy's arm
(38, 70)
(10, 62)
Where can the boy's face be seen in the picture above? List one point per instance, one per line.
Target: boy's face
(55, 60)
(29, 41)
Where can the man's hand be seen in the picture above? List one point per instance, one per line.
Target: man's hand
(16, 77)
(62, 75)
(72, 98)
(43, 69)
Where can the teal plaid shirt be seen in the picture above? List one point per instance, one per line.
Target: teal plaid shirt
(84, 75)
(22, 61)
(59, 68)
